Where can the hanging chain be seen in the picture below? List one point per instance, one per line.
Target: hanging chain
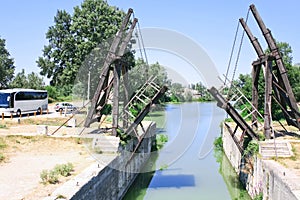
(238, 54)
(142, 47)
(232, 51)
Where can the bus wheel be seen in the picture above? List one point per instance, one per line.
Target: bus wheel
(18, 113)
(38, 112)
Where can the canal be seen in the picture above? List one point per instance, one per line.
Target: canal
(187, 167)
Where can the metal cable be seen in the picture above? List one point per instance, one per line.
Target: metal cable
(238, 54)
(142, 47)
(232, 51)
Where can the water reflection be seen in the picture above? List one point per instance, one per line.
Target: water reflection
(230, 177)
(187, 174)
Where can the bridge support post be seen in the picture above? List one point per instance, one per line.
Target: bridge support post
(255, 78)
(268, 98)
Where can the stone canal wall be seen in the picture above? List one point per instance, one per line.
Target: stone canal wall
(112, 181)
(268, 177)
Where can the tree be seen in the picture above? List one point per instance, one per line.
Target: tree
(72, 38)
(7, 67)
(203, 92)
(35, 81)
(32, 81)
(20, 81)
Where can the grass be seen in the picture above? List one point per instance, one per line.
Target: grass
(291, 162)
(3, 126)
(3, 146)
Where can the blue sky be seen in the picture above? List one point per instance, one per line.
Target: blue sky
(211, 24)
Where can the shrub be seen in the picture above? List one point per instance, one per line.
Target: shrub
(52, 176)
(218, 143)
(161, 139)
(252, 148)
(2, 157)
(64, 169)
(3, 145)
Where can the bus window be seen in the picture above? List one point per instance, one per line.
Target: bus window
(4, 100)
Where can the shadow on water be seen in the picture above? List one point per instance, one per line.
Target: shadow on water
(170, 181)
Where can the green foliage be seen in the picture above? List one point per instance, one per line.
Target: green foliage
(64, 169)
(106, 110)
(7, 67)
(161, 139)
(60, 196)
(244, 82)
(163, 167)
(32, 81)
(3, 126)
(2, 157)
(218, 144)
(73, 37)
(259, 197)
(124, 138)
(52, 176)
(252, 148)
(52, 92)
(49, 177)
(136, 108)
(3, 145)
(261, 137)
(202, 91)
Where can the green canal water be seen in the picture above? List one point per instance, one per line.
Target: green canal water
(188, 167)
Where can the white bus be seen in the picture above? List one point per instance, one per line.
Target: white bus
(22, 101)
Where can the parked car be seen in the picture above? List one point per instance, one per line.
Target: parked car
(62, 106)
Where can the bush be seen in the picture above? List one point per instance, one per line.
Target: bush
(252, 148)
(52, 176)
(218, 143)
(64, 169)
(2, 157)
(161, 139)
(49, 177)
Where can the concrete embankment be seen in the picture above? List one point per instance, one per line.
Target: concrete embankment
(261, 174)
(112, 180)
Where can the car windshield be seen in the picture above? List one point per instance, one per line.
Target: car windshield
(4, 100)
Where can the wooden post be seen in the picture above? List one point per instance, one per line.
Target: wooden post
(126, 96)
(268, 98)
(115, 110)
(34, 114)
(41, 111)
(255, 78)
(2, 116)
(108, 61)
(11, 116)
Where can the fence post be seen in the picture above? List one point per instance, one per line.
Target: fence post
(2, 116)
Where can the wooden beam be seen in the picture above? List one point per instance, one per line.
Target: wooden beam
(268, 98)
